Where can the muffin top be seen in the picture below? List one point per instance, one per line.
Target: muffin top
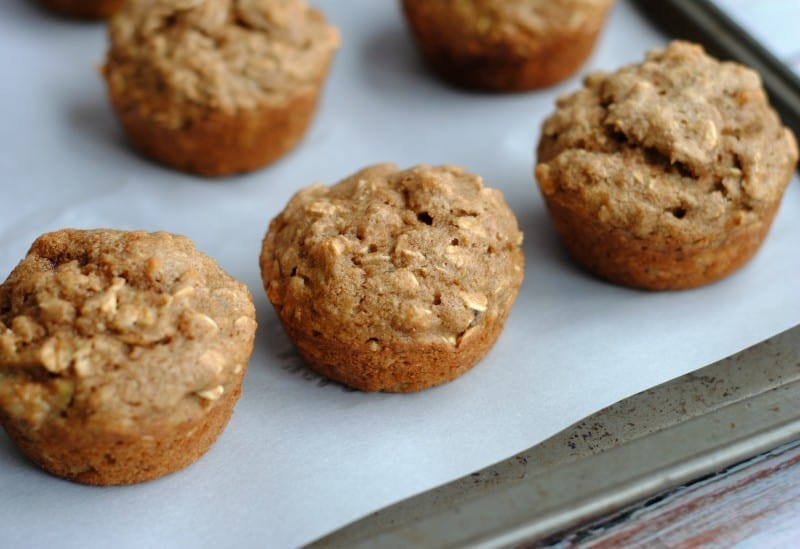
(681, 144)
(424, 254)
(121, 329)
(515, 20)
(228, 55)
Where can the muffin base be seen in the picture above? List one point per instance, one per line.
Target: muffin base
(69, 451)
(83, 9)
(218, 144)
(501, 67)
(396, 366)
(655, 263)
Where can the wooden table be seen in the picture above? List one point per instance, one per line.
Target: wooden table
(757, 502)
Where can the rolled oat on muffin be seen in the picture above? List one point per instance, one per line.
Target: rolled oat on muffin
(121, 354)
(394, 280)
(217, 87)
(505, 45)
(665, 174)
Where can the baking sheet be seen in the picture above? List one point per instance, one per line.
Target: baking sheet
(302, 456)
(666, 436)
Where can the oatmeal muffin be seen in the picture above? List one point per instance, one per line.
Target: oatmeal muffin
(82, 9)
(217, 87)
(666, 174)
(394, 280)
(505, 45)
(121, 354)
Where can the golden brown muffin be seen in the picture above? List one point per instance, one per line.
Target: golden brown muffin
(121, 354)
(394, 280)
(83, 9)
(505, 45)
(666, 174)
(217, 87)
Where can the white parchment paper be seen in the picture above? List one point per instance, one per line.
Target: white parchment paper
(771, 22)
(302, 456)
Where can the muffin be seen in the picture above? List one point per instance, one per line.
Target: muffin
(505, 45)
(217, 87)
(82, 9)
(394, 280)
(121, 354)
(666, 174)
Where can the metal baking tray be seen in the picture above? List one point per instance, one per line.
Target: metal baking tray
(682, 430)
